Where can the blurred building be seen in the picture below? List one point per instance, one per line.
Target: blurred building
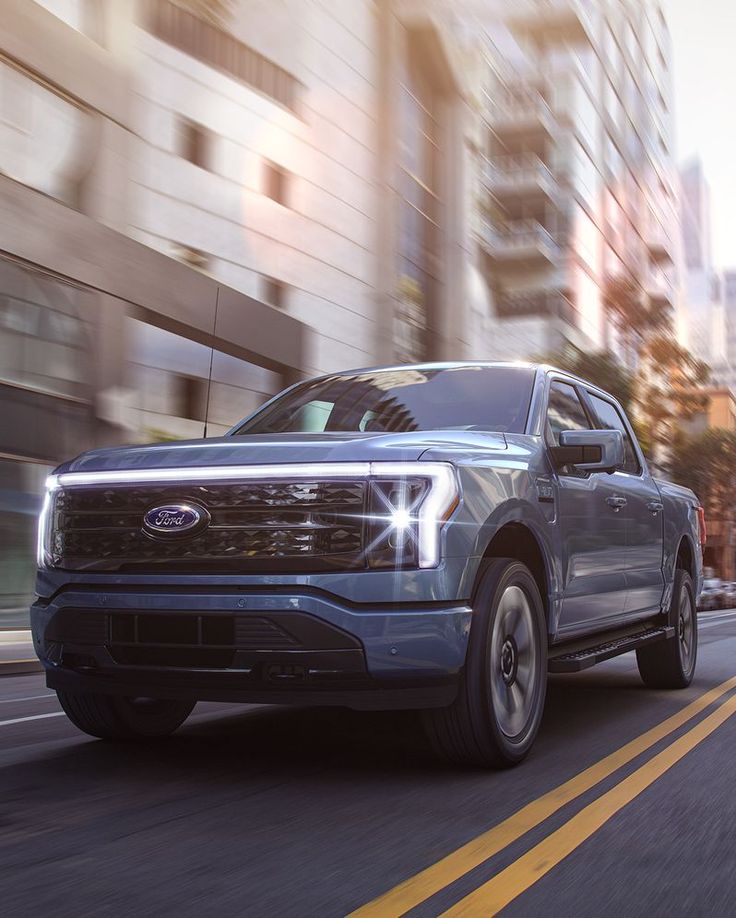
(702, 306)
(719, 411)
(579, 171)
(726, 281)
(201, 201)
(709, 294)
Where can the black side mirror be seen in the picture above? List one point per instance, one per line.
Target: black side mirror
(590, 450)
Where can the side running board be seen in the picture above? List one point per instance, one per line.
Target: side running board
(562, 662)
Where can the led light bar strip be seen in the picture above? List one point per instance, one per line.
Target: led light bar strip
(211, 473)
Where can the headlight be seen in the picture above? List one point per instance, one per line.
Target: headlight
(409, 503)
(44, 523)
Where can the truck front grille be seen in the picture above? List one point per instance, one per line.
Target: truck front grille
(285, 525)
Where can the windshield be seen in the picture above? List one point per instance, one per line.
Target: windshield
(460, 398)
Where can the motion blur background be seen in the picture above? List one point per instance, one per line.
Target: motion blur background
(201, 202)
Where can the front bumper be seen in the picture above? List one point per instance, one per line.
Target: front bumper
(276, 645)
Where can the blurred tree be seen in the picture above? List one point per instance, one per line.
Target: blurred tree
(667, 378)
(707, 464)
(670, 387)
(602, 368)
(606, 371)
(633, 315)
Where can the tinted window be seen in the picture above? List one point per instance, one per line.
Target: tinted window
(609, 418)
(464, 398)
(564, 412)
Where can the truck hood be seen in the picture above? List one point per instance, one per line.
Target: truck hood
(266, 449)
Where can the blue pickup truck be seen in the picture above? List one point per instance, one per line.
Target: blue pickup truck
(436, 537)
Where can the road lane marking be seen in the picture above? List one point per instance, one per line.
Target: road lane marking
(26, 698)
(515, 879)
(710, 621)
(711, 616)
(431, 880)
(709, 625)
(22, 720)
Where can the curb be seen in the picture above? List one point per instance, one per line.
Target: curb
(19, 667)
(18, 657)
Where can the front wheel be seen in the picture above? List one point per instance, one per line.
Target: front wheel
(496, 715)
(670, 664)
(111, 717)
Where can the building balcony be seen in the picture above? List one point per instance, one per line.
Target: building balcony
(659, 292)
(513, 177)
(658, 243)
(523, 243)
(549, 304)
(547, 21)
(522, 110)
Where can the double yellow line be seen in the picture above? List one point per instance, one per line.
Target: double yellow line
(492, 896)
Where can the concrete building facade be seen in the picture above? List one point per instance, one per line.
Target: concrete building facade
(579, 168)
(702, 305)
(201, 202)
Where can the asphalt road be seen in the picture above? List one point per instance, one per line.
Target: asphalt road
(255, 811)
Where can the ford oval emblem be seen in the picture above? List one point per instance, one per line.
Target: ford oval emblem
(171, 520)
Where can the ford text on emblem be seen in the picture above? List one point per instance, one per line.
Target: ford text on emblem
(174, 520)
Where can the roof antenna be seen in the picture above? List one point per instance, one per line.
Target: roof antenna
(212, 357)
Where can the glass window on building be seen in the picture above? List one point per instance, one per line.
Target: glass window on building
(195, 143)
(418, 218)
(45, 332)
(180, 389)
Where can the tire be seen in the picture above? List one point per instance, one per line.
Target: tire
(670, 664)
(496, 714)
(114, 718)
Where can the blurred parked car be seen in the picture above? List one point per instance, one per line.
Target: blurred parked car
(712, 595)
(729, 595)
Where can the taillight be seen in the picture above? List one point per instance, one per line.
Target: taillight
(702, 528)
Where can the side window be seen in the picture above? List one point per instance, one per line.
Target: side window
(564, 412)
(609, 418)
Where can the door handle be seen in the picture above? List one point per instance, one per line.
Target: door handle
(616, 503)
(655, 506)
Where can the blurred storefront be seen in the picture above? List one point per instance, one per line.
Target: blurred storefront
(81, 367)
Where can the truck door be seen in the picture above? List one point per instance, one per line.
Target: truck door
(644, 517)
(592, 526)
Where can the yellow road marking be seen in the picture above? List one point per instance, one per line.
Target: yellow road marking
(494, 895)
(426, 883)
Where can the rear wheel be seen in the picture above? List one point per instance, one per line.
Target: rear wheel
(111, 717)
(671, 664)
(498, 709)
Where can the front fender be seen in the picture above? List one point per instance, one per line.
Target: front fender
(496, 497)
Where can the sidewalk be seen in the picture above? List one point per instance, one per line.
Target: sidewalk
(16, 654)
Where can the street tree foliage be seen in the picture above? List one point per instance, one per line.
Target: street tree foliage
(635, 318)
(602, 368)
(659, 383)
(670, 390)
(668, 379)
(707, 464)
(605, 370)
